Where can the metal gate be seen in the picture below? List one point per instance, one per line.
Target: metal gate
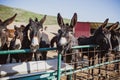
(83, 67)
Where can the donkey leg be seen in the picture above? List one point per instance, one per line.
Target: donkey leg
(16, 57)
(17, 60)
(89, 64)
(44, 55)
(106, 67)
(116, 68)
(99, 70)
(36, 56)
(10, 58)
(82, 56)
(69, 77)
(29, 57)
(92, 73)
(75, 64)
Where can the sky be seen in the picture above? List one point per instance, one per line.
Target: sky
(87, 10)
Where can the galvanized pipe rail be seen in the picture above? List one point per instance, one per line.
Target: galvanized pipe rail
(41, 49)
(51, 75)
(24, 51)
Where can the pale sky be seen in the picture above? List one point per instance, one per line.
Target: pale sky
(87, 10)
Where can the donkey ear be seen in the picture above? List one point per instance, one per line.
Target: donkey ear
(36, 19)
(105, 23)
(108, 27)
(0, 21)
(9, 20)
(60, 20)
(73, 20)
(43, 19)
(114, 26)
(118, 29)
(30, 20)
(22, 27)
(117, 24)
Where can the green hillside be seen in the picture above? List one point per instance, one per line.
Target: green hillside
(23, 15)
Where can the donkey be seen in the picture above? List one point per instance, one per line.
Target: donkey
(25, 45)
(4, 43)
(65, 40)
(118, 50)
(114, 36)
(16, 42)
(38, 38)
(115, 42)
(101, 37)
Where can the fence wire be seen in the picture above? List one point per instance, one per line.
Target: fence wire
(94, 65)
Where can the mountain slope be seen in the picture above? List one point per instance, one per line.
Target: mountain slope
(23, 15)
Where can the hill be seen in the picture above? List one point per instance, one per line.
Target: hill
(23, 15)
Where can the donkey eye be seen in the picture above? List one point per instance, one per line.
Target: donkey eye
(59, 31)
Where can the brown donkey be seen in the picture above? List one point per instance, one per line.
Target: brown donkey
(16, 43)
(4, 38)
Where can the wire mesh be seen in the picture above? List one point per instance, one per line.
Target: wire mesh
(93, 56)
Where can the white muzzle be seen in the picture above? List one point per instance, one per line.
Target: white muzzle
(63, 41)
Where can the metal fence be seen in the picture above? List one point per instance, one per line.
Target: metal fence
(82, 69)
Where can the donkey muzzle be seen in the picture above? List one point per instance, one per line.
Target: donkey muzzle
(63, 41)
(34, 48)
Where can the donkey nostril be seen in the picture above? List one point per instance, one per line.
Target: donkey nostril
(34, 48)
(37, 46)
(17, 46)
(31, 47)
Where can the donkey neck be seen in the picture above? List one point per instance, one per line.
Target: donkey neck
(74, 41)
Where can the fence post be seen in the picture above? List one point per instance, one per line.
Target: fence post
(59, 66)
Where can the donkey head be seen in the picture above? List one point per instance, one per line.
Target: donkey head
(118, 34)
(16, 42)
(65, 33)
(102, 37)
(115, 38)
(35, 33)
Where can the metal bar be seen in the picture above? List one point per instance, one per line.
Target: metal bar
(84, 46)
(59, 66)
(33, 76)
(43, 49)
(90, 67)
(42, 76)
(24, 51)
